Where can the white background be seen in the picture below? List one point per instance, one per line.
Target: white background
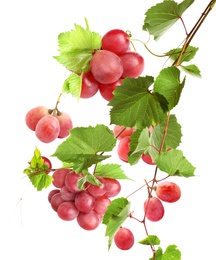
(30, 77)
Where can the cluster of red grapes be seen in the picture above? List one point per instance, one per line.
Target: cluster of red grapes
(88, 205)
(48, 124)
(109, 65)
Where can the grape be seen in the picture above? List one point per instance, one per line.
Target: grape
(71, 181)
(34, 115)
(106, 90)
(101, 204)
(133, 64)
(154, 209)
(84, 202)
(113, 187)
(95, 190)
(67, 211)
(56, 200)
(59, 176)
(168, 191)
(124, 148)
(106, 66)
(51, 193)
(47, 129)
(88, 221)
(66, 194)
(116, 41)
(89, 85)
(120, 131)
(48, 163)
(65, 123)
(124, 238)
(147, 159)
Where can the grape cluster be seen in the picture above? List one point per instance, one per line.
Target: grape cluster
(109, 65)
(48, 124)
(87, 205)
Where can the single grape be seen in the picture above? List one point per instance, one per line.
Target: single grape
(147, 159)
(133, 64)
(65, 123)
(51, 193)
(84, 201)
(71, 181)
(106, 90)
(47, 129)
(154, 209)
(113, 187)
(124, 238)
(106, 66)
(67, 211)
(123, 148)
(89, 85)
(120, 131)
(168, 191)
(56, 200)
(59, 176)
(34, 115)
(101, 204)
(116, 41)
(66, 194)
(88, 221)
(48, 163)
(95, 190)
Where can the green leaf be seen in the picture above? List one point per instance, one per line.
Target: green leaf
(73, 85)
(187, 55)
(174, 163)
(40, 180)
(117, 212)
(134, 105)
(113, 171)
(159, 18)
(169, 86)
(150, 240)
(81, 148)
(192, 69)
(171, 253)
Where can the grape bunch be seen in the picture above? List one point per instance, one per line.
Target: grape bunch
(48, 124)
(110, 65)
(87, 205)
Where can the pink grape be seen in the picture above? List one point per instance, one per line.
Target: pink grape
(67, 211)
(66, 194)
(120, 131)
(106, 66)
(101, 204)
(88, 221)
(154, 209)
(59, 176)
(124, 238)
(56, 200)
(65, 123)
(71, 181)
(51, 193)
(95, 190)
(116, 41)
(123, 148)
(113, 187)
(168, 191)
(48, 163)
(34, 115)
(106, 90)
(47, 129)
(133, 64)
(89, 85)
(84, 202)
(147, 159)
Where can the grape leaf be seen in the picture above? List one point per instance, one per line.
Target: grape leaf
(192, 69)
(40, 180)
(117, 212)
(171, 253)
(113, 171)
(83, 145)
(174, 163)
(187, 55)
(169, 86)
(73, 85)
(159, 18)
(150, 240)
(134, 105)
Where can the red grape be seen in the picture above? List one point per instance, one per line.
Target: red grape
(101, 204)
(120, 131)
(47, 129)
(147, 159)
(48, 163)
(34, 115)
(88, 221)
(71, 181)
(67, 195)
(59, 176)
(95, 190)
(124, 148)
(106, 90)
(56, 200)
(113, 187)
(84, 202)
(65, 123)
(106, 66)
(124, 238)
(133, 64)
(89, 85)
(67, 211)
(168, 191)
(51, 193)
(154, 209)
(116, 41)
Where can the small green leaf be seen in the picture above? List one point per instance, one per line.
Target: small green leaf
(41, 180)
(187, 55)
(150, 240)
(192, 69)
(174, 163)
(73, 85)
(117, 212)
(112, 171)
(171, 253)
